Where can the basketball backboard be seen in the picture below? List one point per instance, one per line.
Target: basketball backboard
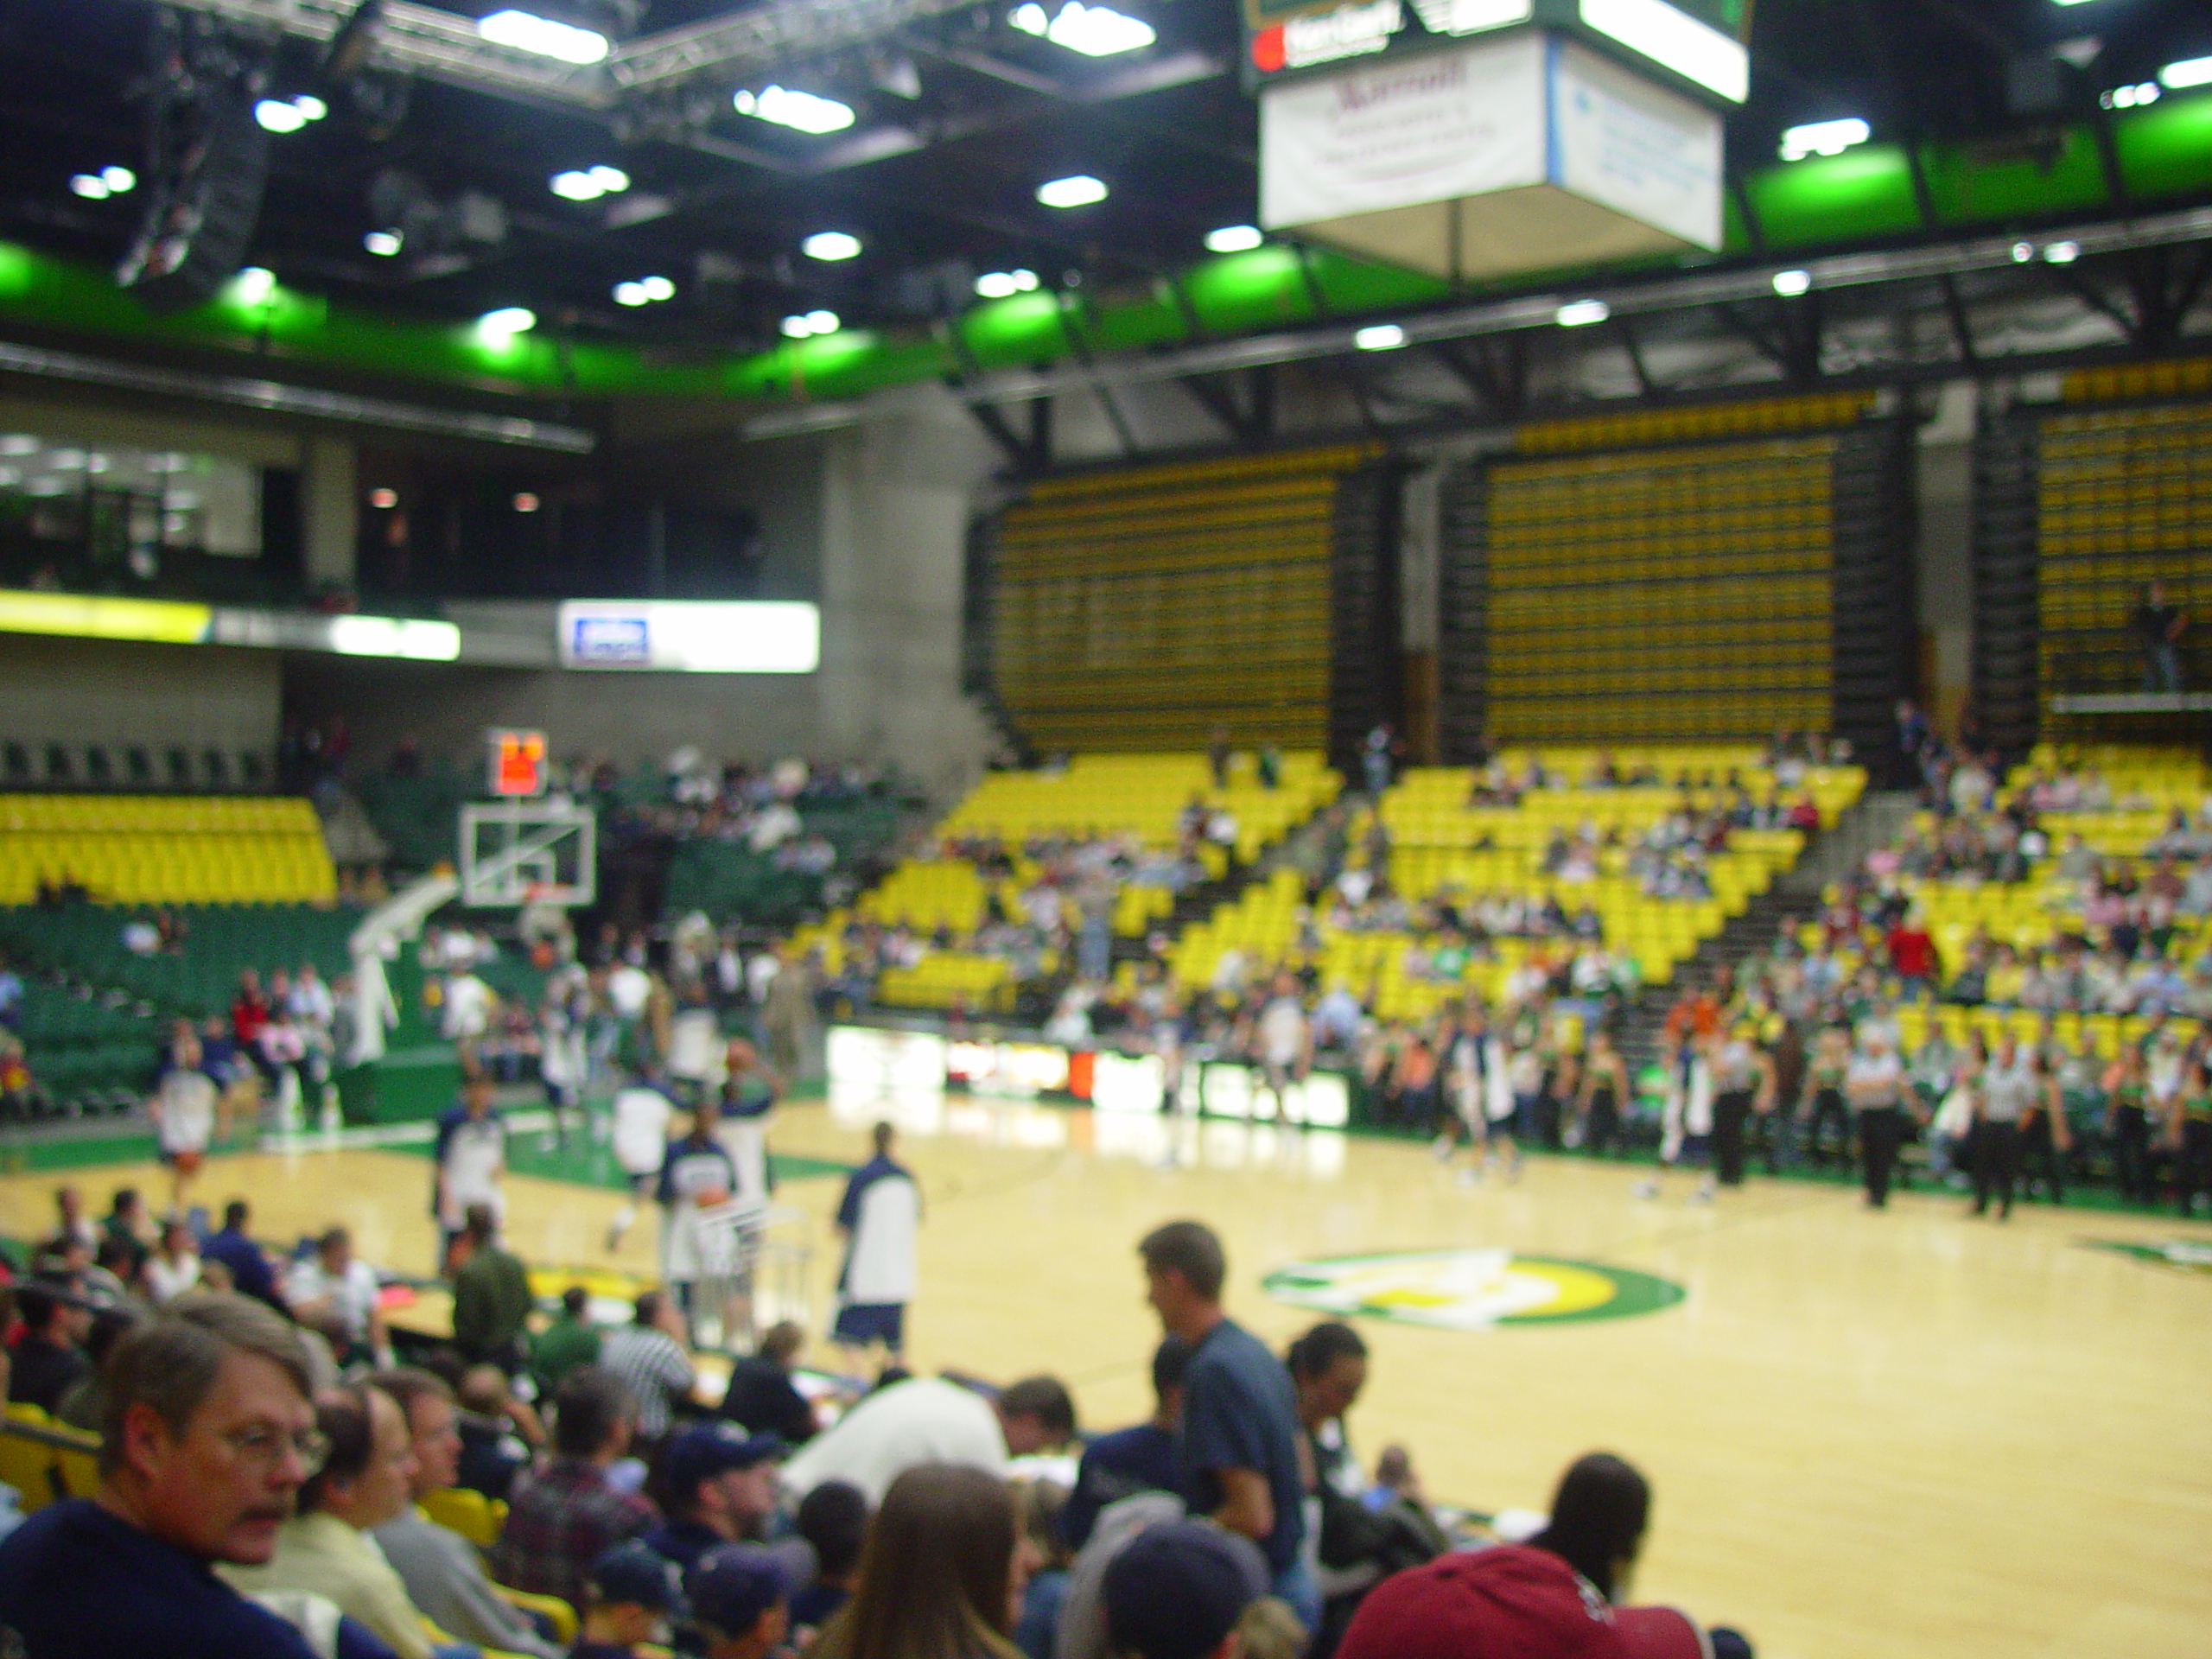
(528, 852)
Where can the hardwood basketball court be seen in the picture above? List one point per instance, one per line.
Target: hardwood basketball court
(1896, 1433)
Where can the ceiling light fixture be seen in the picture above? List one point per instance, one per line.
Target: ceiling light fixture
(1790, 283)
(507, 322)
(1234, 238)
(384, 500)
(1095, 31)
(118, 180)
(1077, 190)
(2190, 72)
(830, 245)
(91, 186)
(310, 107)
(658, 287)
(1380, 337)
(543, 37)
(1580, 314)
(631, 294)
(252, 285)
(589, 183)
(275, 115)
(814, 322)
(2023, 252)
(383, 244)
(526, 502)
(1823, 137)
(802, 112)
(2128, 97)
(1000, 284)
(2062, 253)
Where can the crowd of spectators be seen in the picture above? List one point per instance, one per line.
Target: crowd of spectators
(265, 1493)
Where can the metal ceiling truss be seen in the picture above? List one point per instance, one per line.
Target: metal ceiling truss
(421, 39)
(1738, 287)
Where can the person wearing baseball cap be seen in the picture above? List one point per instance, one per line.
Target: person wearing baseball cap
(740, 1599)
(628, 1593)
(715, 1485)
(1176, 1591)
(1549, 1599)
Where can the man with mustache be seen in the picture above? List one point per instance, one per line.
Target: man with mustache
(208, 1433)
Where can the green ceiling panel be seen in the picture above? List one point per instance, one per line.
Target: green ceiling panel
(1862, 193)
(1021, 329)
(1967, 190)
(1134, 320)
(2166, 149)
(1236, 292)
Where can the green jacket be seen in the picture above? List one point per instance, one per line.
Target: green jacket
(559, 1349)
(491, 1302)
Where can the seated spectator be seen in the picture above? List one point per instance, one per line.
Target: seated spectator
(741, 1596)
(926, 1419)
(713, 1486)
(1553, 1594)
(648, 1354)
(939, 1575)
(324, 1547)
(833, 1518)
(493, 1451)
(250, 1274)
(491, 1295)
(762, 1395)
(84, 1403)
(1130, 1460)
(1045, 1594)
(1177, 1590)
(335, 1292)
(174, 1268)
(49, 1355)
(208, 1433)
(564, 1513)
(629, 1592)
(441, 1570)
(570, 1340)
(1359, 1545)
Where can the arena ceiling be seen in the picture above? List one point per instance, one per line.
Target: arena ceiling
(957, 113)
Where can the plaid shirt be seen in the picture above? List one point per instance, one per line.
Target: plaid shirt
(561, 1516)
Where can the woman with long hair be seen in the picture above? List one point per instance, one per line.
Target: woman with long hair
(941, 1576)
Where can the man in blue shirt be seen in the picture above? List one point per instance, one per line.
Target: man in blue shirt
(208, 1433)
(1130, 1460)
(1239, 1452)
(250, 1274)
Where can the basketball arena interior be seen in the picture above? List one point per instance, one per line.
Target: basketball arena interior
(1181, 828)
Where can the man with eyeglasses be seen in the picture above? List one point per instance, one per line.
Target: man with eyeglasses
(208, 1433)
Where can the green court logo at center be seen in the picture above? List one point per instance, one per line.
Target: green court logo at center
(1470, 1289)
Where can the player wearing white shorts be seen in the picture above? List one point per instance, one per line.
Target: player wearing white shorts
(642, 1115)
(183, 1110)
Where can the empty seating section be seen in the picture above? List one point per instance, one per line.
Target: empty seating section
(1673, 593)
(2124, 497)
(86, 943)
(1142, 795)
(1434, 836)
(1137, 795)
(85, 1051)
(164, 849)
(1146, 608)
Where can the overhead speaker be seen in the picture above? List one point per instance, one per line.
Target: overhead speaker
(212, 167)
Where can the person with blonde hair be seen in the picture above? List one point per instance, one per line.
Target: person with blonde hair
(941, 1574)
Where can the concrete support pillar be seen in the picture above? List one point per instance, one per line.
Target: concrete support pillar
(1946, 553)
(329, 513)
